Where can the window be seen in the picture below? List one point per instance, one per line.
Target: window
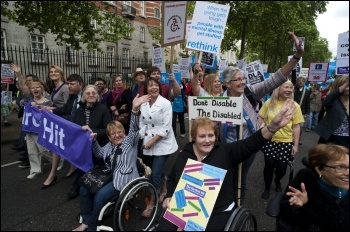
(92, 57)
(126, 57)
(93, 23)
(71, 57)
(128, 35)
(128, 3)
(156, 12)
(142, 34)
(110, 56)
(3, 45)
(37, 44)
(142, 8)
(145, 55)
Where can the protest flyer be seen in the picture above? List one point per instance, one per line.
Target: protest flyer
(195, 196)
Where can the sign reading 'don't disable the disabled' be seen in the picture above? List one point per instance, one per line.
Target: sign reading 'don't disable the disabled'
(218, 109)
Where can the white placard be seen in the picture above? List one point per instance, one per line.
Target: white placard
(318, 72)
(304, 72)
(241, 63)
(158, 58)
(184, 67)
(265, 67)
(7, 75)
(207, 27)
(342, 62)
(218, 109)
(175, 68)
(6, 97)
(173, 22)
(254, 73)
(223, 64)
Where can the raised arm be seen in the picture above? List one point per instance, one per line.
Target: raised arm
(21, 79)
(196, 73)
(288, 67)
(175, 87)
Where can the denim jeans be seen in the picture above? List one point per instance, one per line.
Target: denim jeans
(158, 171)
(312, 120)
(90, 205)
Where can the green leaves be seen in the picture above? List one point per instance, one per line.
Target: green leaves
(70, 21)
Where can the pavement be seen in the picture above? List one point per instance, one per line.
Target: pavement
(25, 207)
(11, 133)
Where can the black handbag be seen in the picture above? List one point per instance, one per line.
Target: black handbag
(95, 179)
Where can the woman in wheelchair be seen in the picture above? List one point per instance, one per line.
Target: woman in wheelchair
(121, 149)
(207, 149)
(318, 197)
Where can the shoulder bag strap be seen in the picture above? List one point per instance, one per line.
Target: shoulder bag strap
(302, 97)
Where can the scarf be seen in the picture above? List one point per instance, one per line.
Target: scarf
(116, 94)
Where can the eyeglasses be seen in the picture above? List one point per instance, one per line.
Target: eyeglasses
(239, 79)
(119, 133)
(91, 93)
(338, 169)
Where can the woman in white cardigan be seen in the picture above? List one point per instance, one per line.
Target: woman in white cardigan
(157, 134)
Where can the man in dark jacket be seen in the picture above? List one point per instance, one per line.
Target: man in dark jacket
(302, 97)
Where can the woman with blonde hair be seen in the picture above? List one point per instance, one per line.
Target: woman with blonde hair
(212, 84)
(59, 97)
(284, 144)
(334, 127)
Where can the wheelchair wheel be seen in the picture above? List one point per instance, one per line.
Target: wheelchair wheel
(133, 199)
(242, 220)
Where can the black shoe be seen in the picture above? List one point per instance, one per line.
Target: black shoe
(68, 176)
(278, 187)
(24, 164)
(266, 194)
(72, 194)
(23, 158)
(6, 124)
(44, 186)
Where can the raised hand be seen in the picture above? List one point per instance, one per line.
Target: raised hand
(298, 198)
(15, 68)
(298, 43)
(136, 103)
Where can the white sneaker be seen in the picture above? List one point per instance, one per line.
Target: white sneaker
(33, 175)
(183, 135)
(61, 164)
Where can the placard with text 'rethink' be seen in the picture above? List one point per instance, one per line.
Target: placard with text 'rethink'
(195, 196)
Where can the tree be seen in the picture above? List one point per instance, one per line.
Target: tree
(261, 27)
(70, 21)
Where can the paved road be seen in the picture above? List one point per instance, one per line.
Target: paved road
(25, 207)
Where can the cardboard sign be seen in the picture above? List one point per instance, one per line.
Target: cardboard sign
(174, 16)
(342, 62)
(7, 75)
(207, 27)
(195, 196)
(318, 72)
(219, 109)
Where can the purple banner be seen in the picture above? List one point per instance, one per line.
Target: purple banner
(31, 119)
(66, 139)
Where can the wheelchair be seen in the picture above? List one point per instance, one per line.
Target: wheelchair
(134, 198)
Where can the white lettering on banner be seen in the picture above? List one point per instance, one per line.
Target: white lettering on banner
(56, 134)
(26, 118)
